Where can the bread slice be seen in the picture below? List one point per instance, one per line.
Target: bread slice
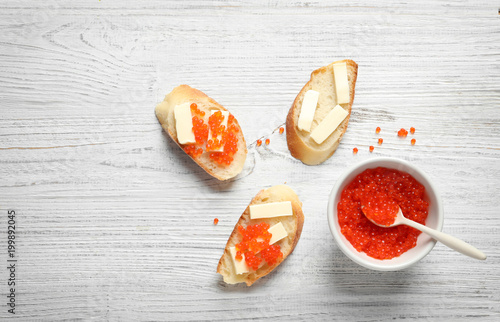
(165, 114)
(300, 143)
(292, 224)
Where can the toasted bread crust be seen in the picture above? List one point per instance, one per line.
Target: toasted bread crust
(313, 154)
(182, 94)
(273, 194)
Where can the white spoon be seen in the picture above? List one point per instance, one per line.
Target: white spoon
(448, 240)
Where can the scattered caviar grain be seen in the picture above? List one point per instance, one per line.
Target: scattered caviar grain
(355, 150)
(412, 130)
(380, 140)
(282, 130)
(268, 141)
(377, 130)
(372, 148)
(413, 141)
(216, 221)
(402, 133)
(259, 142)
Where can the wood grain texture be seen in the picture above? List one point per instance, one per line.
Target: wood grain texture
(115, 222)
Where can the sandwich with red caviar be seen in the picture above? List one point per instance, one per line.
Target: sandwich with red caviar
(266, 233)
(205, 130)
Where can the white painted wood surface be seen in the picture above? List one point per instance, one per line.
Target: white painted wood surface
(114, 222)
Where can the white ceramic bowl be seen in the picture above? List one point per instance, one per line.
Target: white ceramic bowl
(424, 242)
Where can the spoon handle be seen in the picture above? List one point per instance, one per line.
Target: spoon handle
(448, 240)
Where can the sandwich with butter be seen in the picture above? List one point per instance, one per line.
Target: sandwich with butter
(320, 113)
(205, 130)
(263, 237)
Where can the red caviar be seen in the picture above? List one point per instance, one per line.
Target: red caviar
(355, 150)
(372, 148)
(282, 130)
(377, 130)
(216, 221)
(380, 140)
(268, 141)
(271, 254)
(402, 133)
(412, 130)
(365, 236)
(379, 207)
(221, 137)
(252, 261)
(200, 130)
(195, 110)
(259, 142)
(221, 158)
(255, 246)
(413, 141)
(193, 150)
(215, 122)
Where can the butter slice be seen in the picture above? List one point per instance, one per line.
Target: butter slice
(307, 110)
(225, 114)
(341, 83)
(184, 123)
(239, 266)
(270, 210)
(278, 232)
(329, 124)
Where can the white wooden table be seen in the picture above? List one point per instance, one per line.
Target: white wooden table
(115, 223)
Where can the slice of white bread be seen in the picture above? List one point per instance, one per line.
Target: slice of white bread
(165, 114)
(300, 143)
(292, 224)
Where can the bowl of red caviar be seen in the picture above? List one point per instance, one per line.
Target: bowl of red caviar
(384, 248)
